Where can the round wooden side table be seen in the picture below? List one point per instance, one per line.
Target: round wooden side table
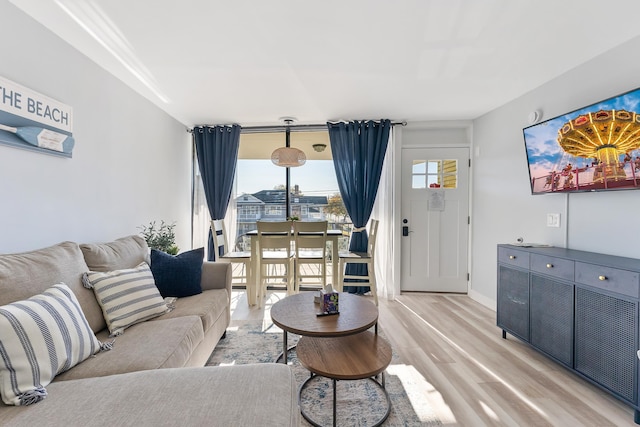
(361, 356)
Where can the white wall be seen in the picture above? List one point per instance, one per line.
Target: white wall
(503, 206)
(131, 163)
(436, 134)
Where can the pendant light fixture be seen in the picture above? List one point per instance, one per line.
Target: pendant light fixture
(287, 156)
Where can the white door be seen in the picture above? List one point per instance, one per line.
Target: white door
(435, 219)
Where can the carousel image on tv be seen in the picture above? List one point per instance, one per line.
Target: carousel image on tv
(594, 148)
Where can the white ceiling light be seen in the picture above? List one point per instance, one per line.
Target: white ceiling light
(287, 156)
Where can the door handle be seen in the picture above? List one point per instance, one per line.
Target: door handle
(405, 230)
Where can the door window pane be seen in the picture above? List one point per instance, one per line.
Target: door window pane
(418, 181)
(419, 167)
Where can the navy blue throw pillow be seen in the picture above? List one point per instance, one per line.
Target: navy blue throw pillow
(179, 275)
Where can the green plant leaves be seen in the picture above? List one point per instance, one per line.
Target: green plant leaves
(160, 237)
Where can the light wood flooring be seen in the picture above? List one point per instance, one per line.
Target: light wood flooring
(452, 349)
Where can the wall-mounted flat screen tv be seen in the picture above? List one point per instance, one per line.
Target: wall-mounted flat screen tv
(594, 148)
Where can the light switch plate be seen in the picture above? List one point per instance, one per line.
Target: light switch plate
(553, 220)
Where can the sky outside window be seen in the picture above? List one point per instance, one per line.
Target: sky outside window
(315, 178)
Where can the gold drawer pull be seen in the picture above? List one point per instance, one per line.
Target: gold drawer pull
(602, 277)
(549, 265)
(512, 257)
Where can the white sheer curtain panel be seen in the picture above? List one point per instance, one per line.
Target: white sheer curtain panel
(231, 219)
(201, 219)
(383, 210)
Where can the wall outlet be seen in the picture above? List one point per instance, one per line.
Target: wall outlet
(553, 220)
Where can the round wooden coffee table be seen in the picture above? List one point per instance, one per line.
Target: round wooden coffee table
(354, 357)
(298, 314)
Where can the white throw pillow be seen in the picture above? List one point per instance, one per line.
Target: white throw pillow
(41, 337)
(127, 296)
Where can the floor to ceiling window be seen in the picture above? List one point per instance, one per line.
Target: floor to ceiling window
(260, 187)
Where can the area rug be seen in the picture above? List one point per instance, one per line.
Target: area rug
(360, 403)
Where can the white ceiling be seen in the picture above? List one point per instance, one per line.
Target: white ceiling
(251, 62)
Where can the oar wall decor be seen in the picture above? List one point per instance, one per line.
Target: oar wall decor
(43, 138)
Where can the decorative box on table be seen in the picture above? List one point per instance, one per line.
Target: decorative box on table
(329, 301)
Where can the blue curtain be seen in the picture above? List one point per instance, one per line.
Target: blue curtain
(217, 152)
(358, 150)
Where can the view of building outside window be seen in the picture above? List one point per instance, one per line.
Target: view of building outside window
(313, 196)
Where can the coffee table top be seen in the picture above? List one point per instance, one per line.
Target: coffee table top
(353, 357)
(297, 314)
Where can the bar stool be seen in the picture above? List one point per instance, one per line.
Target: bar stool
(223, 254)
(274, 250)
(311, 248)
(367, 258)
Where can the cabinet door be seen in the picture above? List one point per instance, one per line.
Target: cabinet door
(552, 318)
(513, 301)
(606, 341)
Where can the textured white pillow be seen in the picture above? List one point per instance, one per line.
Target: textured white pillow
(41, 337)
(126, 296)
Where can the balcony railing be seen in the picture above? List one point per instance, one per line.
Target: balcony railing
(248, 217)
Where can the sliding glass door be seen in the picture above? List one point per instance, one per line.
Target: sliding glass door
(261, 188)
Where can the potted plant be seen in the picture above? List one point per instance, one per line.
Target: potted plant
(160, 237)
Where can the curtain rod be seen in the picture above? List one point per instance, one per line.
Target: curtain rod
(282, 128)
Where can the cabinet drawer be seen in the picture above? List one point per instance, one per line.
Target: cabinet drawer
(611, 279)
(513, 257)
(551, 266)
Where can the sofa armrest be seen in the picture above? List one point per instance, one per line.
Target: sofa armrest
(216, 275)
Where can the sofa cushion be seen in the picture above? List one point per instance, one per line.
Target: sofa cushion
(208, 306)
(158, 344)
(30, 273)
(244, 395)
(126, 252)
(127, 296)
(179, 275)
(41, 337)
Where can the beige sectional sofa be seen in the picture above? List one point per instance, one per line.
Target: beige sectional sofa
(154, 374)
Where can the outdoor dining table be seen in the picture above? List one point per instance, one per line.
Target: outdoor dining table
(332, 236)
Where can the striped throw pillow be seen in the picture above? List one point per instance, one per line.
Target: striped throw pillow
(41, 337)
(127, 296)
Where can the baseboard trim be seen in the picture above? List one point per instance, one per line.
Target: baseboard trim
(487, 302)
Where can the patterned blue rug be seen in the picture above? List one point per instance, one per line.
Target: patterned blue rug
(360, 403)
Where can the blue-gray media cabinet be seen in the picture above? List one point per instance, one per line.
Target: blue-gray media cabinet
(579, 308)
